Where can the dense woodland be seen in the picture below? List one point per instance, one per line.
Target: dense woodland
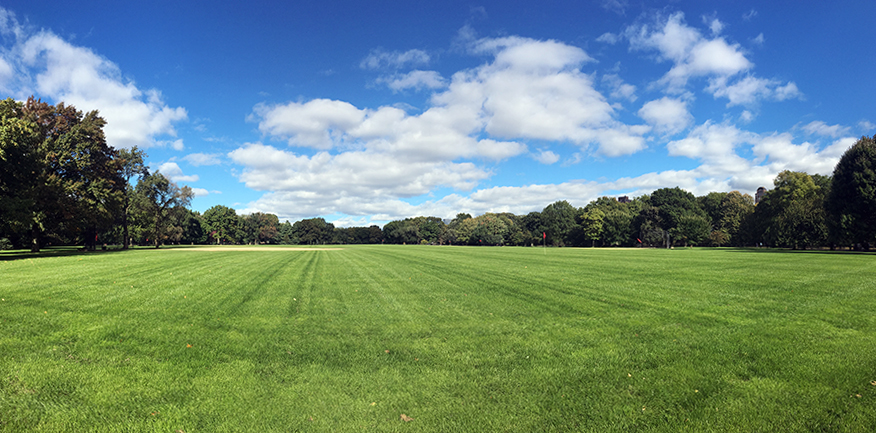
(61, 184)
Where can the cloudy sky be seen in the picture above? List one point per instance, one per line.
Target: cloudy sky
(365, 112)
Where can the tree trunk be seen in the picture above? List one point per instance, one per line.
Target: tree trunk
(127, 241)
(35, 238)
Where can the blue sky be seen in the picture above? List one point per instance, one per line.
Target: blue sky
(365, 112)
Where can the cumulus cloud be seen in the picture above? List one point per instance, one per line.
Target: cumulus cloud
(693, 55)
(45, 64)
(366, 162)
(315, 123)
(360, 161)
(172, 171)
(820, 128)
(417, 80)
(668, 115)
(201, 159)
(531, 90)
(546, 157)
(749, 90)
(200, 192)
(619, 89)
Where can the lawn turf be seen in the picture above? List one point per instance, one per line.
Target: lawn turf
(457, 338)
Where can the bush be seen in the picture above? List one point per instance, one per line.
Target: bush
(5, 244)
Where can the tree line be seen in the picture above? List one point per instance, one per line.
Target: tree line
(61, 184)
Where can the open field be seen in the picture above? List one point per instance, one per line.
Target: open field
(457, 338)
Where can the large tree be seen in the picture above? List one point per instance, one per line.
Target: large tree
(223, 225)
(675, 205)
(792, 214)
(161, 205)
(76, 181)
(132, 166)
(19, 141)
(558, 221)
(852, 199)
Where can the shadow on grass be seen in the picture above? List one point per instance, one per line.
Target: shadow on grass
(790, 251)
(52, 252)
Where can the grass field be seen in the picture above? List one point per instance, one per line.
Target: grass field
(456, 338)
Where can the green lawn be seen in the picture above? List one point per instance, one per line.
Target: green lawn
(457, 338)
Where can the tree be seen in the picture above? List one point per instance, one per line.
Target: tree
(591, 224)
(852, 200)
(223, 225)
(19, 141)
(194, 228)
(313, 231)
(260, 228)
(692, 229)
(161, 203)
(733, 210)
(792, 214)
(76, 181)
(673, 204)
(558, 220)
(132, 165)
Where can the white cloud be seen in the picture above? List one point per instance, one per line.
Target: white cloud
(715, 59)
(749, 90)
(45, 64)
(370, 161)
(820, 128)
(866, 125)
(608, 38)
(361, 174)
(668, 115)
(316, 123)
(417, 80)
(499, 150)
(172, 171)
(201, 159)
(759, 40)
(619, 89)
(175, 144)
(546, 157)
(716, 26)
(379, 58)
(200, 192)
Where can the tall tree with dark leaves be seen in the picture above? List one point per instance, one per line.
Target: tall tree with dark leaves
(852, 199)
(77, 180)
(19, 141)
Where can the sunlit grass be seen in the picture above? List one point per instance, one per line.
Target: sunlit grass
(459, 339)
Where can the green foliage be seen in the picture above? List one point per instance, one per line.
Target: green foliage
(414, 230)
(734, 209)
(852, 198)
(161, 208)
(558, 221)
(313, 231)
(223, 225)
(132, 165)
(792, 214)
(591, 222)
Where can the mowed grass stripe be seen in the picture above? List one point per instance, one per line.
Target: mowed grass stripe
(461, 339)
